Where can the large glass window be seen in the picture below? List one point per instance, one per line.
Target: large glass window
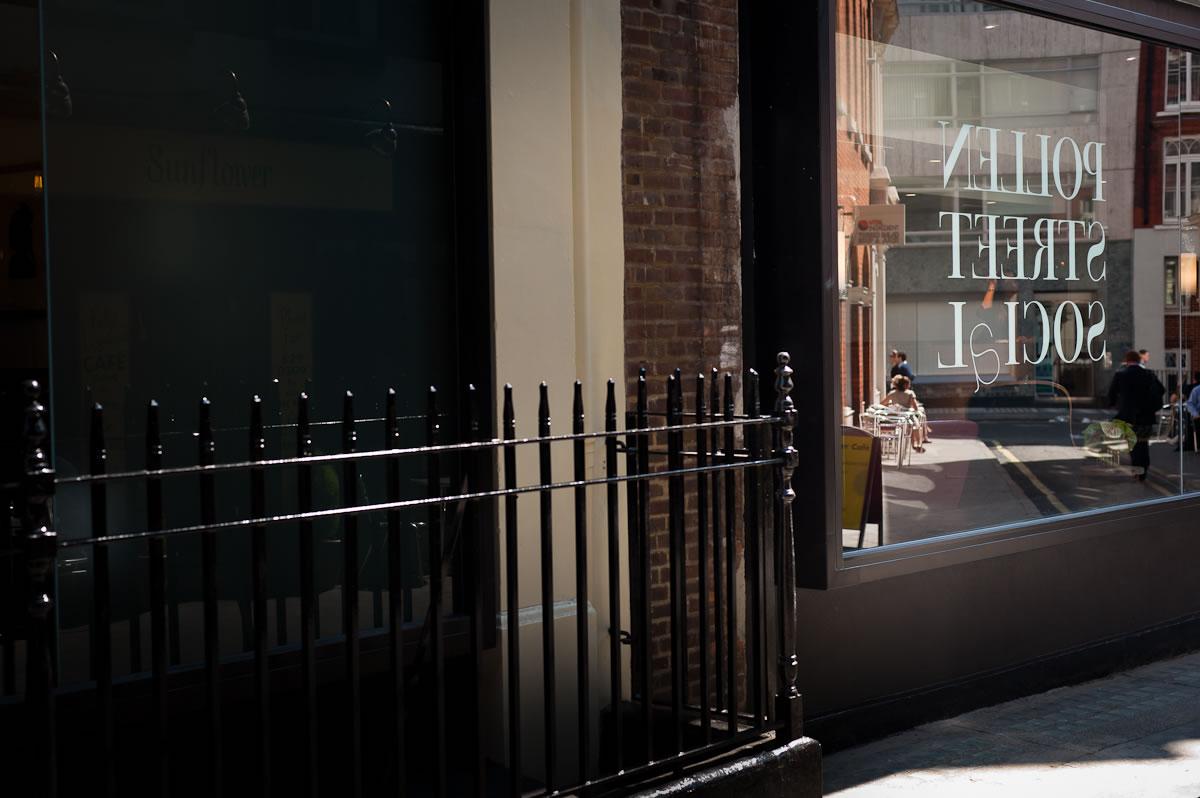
(23, 351)
(1010, 351)
(246, 199)
(1181, 177)
(1182, 79)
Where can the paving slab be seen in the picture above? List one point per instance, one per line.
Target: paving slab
(1131, 734)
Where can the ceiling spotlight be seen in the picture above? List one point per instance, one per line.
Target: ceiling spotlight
(234, 113)
(991, 26)
(1131, 58)
(382, 140)
(910, 195)
(935, 160)
(58, 99)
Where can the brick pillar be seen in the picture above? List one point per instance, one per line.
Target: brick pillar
(682, 225)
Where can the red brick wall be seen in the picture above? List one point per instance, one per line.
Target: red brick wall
(854, 91)
(682, 224)
(679, 153)
(1191, 334)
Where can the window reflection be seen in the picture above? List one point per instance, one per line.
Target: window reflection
(23, 314)
(245, 198)
(1016, 194)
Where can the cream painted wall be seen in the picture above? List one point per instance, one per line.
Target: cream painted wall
(558, 261)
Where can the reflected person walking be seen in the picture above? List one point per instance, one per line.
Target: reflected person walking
(1137, 395)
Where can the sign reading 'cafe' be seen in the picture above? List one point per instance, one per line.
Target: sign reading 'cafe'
(989, 246)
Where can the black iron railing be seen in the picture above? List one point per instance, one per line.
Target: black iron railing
(726, 479)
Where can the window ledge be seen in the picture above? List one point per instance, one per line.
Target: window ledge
(1180, 108)
(902, 559)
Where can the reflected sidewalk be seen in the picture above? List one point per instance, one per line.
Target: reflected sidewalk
(1135, 733)
(975, 476)
(957, 483)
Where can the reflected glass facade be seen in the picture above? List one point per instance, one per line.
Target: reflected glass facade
(1002, 247)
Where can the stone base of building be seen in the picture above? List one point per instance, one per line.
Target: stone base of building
(788, 771)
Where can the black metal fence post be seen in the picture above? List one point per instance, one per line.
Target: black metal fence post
(702, 557)
(512, 596)
(644, 653)
(677, 560)
(206, 456)
(714, 403)
(41, 546)
(731, 607)
(789, 712)
(473, 530)
(582, 664)
(614, 570)
(102, 670)
(546, 518)
(157, 551)
(309, 607)
(433, 489)
(395, 595)
(752, 557)
(258, 574)
(350, 620)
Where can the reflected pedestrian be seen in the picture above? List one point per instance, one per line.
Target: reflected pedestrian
(1137, 394)
(902, 396)
(1191, 417)
(900, 365)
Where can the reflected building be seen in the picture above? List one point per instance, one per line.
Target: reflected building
(1035, 86)
(1166, 201)
(863, 180)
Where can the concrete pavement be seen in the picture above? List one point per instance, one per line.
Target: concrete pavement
(1136, 733)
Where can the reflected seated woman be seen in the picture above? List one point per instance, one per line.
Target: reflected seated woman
(903, 397)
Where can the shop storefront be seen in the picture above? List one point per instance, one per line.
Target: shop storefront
(959, 217)
(1003, 218)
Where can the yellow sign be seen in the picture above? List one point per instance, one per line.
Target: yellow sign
(856, 476)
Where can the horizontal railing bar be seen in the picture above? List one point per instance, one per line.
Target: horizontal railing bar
(735, 417)
(336, 423)
(738, 454)
(337, 512)
(378, 454)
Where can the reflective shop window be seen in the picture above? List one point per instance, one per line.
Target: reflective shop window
(23, 352)
(1018, 202)
(244, 199)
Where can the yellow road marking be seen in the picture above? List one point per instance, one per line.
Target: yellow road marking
(1029, 475)
(1164, 491)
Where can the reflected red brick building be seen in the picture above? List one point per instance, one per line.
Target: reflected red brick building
(1167, 194)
